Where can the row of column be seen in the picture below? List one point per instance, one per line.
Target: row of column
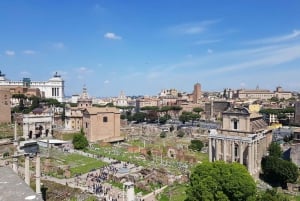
(37, 172)
(55, 91)
(221, 146)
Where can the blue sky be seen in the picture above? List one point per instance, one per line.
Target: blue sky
(141, 46)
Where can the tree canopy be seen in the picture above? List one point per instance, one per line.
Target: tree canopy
(197, 110)
(196, 145)
(277, 171)
(188, 116)
(79, 141)
(275, 150)
(220, 181)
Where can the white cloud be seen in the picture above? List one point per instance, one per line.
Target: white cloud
(278, 39)
(25, 74)
(82, 72)
(58, 45)
(203, 42)
(210, 51)
(192, 28)
(272, 58)
(112, 36)
(29, 52)
(10, 53)
(106, 82)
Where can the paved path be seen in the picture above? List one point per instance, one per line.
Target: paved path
(151, 196)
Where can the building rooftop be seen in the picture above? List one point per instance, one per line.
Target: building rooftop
(95, 110)
(14, 188)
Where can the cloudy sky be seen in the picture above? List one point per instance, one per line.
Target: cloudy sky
(142, 46)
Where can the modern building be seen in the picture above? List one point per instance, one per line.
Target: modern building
(102, 124)
(243, 138)
(5, 109)
(53, 88)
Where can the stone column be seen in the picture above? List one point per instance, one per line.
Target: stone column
(15, 164)
(250, 160)
(255, 156)
(224, 150)
(241, 153)
(38, 174)
(232, 152)
(210, 150)
(27, 171)
(15, 131)
(217, 149)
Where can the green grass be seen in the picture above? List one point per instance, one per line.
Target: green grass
(78, 164)
(68, 136)
(136, 190)
(7, 131)
(173, 193)
(81, 164)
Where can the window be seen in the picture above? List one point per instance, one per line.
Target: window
(235, 125)
(86, 124)
(104, 119)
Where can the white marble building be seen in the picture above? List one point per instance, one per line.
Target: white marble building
(53, 88)
(37, 125)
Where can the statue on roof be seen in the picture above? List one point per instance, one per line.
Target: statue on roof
(56, 75)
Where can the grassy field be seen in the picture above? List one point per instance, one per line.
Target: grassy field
(78, 164)
(173, 193)
(7, 131)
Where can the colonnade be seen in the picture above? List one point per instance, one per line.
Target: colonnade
(235, 150)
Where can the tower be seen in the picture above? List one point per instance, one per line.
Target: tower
(197, 93)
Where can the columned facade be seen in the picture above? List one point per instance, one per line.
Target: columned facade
(242, 146)
(53, 88)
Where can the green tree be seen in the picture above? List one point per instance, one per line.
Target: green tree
(185, 116)
(79, 141)
(278, 171)
(163, 134)
(163, 120)
(197, 110)
(180, 133)
(196, 145)
(275, 150)
(139, 117)
(220, 181)
(272, 195)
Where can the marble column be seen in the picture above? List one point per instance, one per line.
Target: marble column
(241, 153)
(210, 150)
(217, 149)
(232, 151)
(15, 164)
(27, 170)
(38, 174)
(224, 150)
(250, 159)
(255, 157)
